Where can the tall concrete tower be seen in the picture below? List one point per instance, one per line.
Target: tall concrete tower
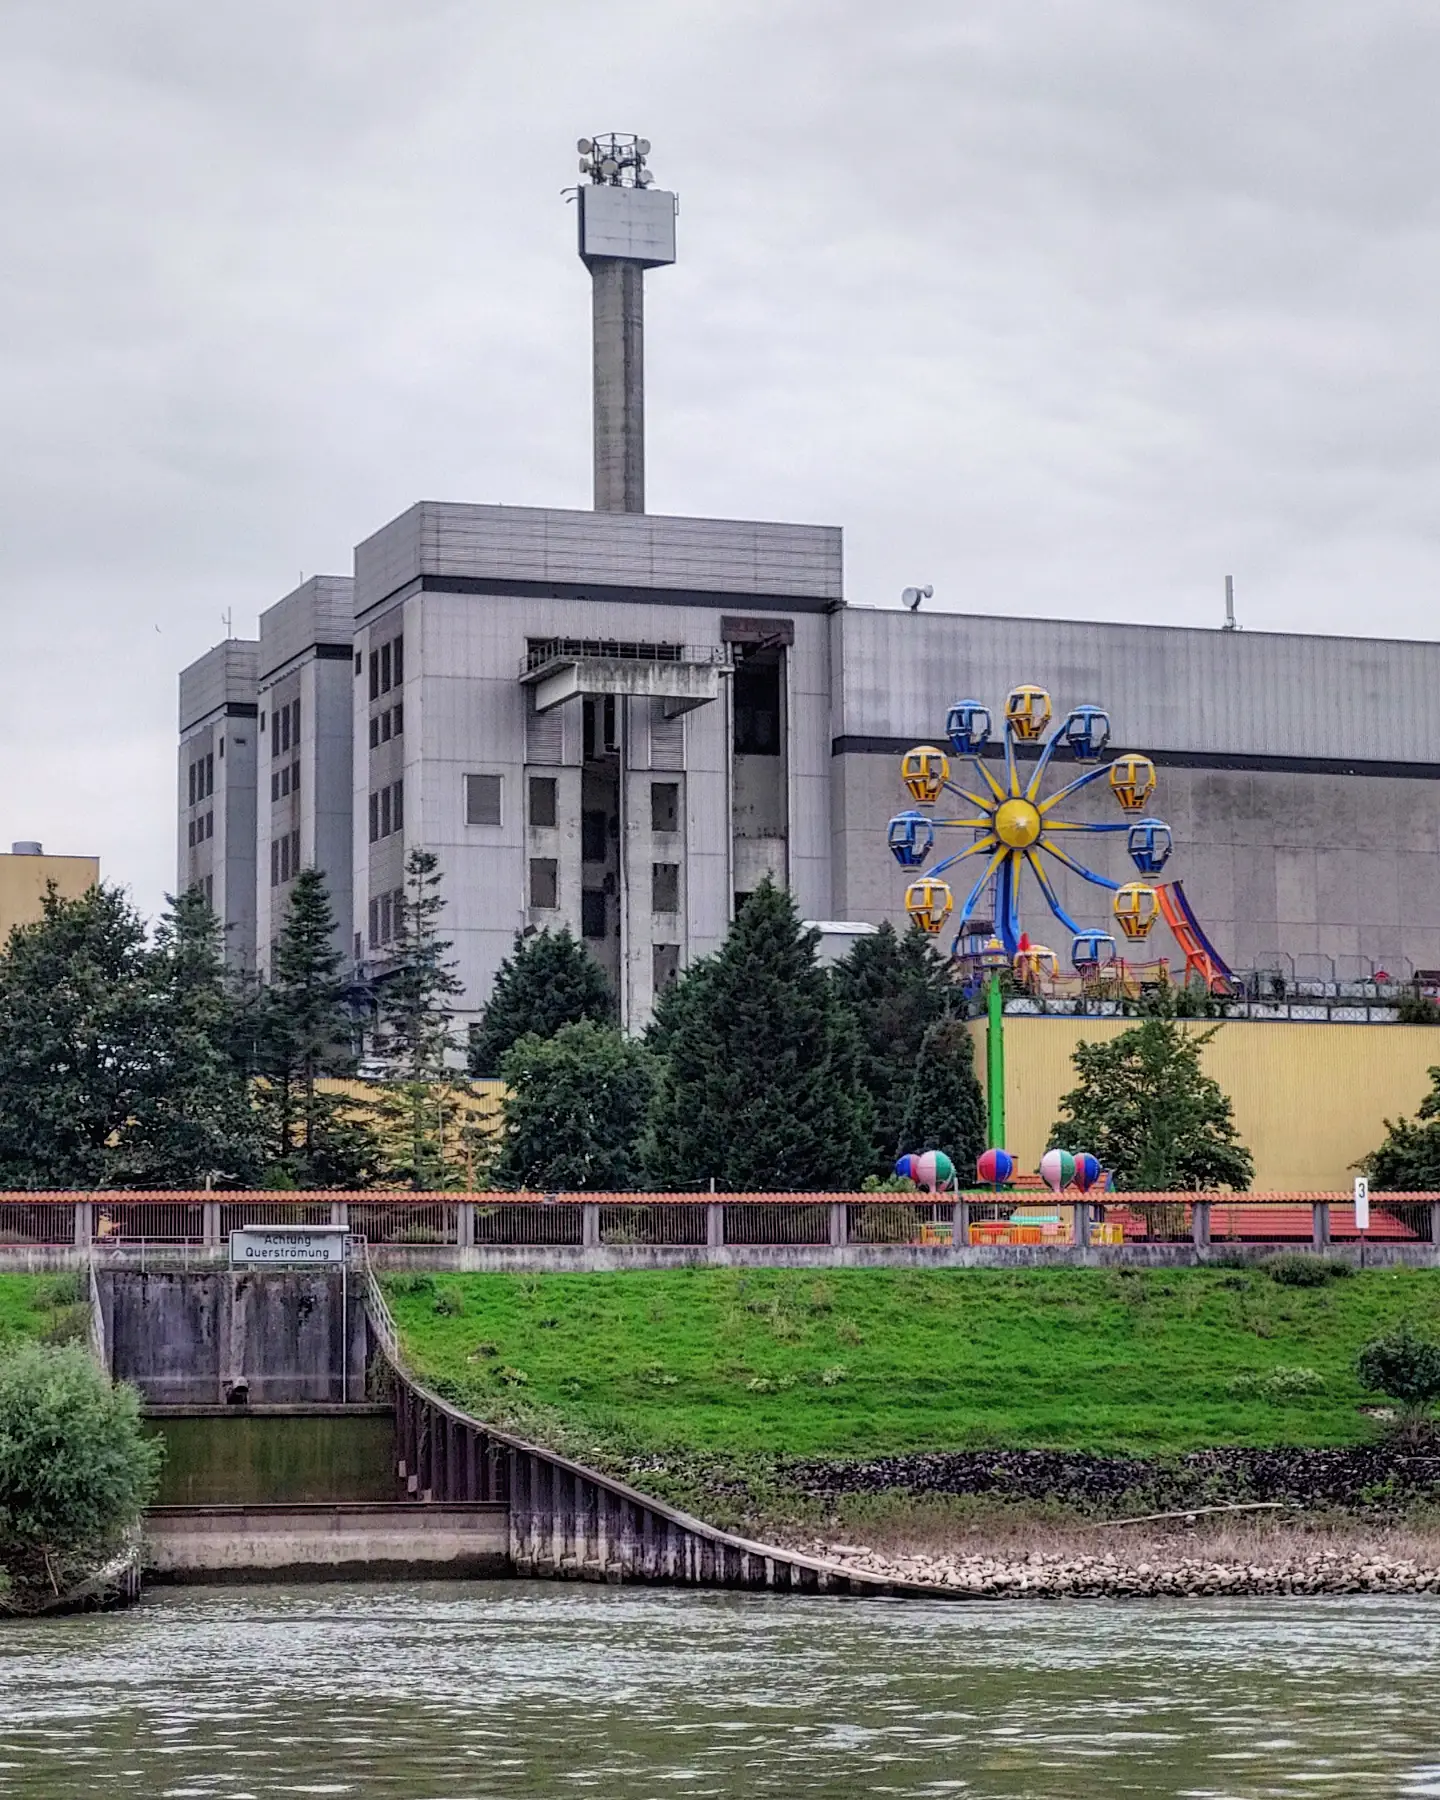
(627, 226)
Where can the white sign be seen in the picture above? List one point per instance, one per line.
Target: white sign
(260, 1244)
(1362, 1203)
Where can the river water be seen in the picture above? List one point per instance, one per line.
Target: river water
(434, 1691)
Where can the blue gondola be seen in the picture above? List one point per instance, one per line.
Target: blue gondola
(910, 834)
(967, 724)
(1087, 732)
(1148, 842)
(1093, 950)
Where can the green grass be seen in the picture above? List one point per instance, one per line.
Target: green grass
(858, 1363)
(52, 1308)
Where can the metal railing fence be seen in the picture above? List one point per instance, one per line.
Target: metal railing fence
(460, 1222)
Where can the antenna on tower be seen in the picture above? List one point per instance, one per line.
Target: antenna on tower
(227, 619)
(1229, 624)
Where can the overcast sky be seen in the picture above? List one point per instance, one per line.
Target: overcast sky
(1069, 307)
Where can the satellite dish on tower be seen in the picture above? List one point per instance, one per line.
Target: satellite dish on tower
(914, 595)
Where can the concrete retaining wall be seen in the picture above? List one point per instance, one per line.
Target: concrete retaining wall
(340, 1543)
(206, 1336)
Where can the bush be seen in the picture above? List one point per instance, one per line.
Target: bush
(1405, 1366)
(75, 1469)
(1295, 1269)
(1277, 1385)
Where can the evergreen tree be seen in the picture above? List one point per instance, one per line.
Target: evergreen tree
(547, 981)
(895, 988)
(313, 1138)
(421, 1107)
(945, 1109)
(1408, 1159)
(1147, 1110)
(760, 1085)
(195, 1117)
(575, 1110)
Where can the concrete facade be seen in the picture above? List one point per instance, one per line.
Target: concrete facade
(619, 723)
(306, 682)
(216, 842)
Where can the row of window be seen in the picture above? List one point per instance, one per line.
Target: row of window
(285, 781)
(387, 724)
(284, 729)
(200, 829)
(545, 890)
(386, 915)
(387, 811)
(202, 777)
(387, 667)
(484, 805)
(284, 857)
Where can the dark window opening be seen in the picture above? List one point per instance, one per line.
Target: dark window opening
(374, 674)
(544, 882)
(594, 837)
(757, 706)
(592, 912)
(665, 887)
(384, 668)
(665, 964)
(543, 802)
(484, 796)
(664, 806)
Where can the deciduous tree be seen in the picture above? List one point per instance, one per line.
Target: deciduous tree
(575, 1110)
(1144, 1106)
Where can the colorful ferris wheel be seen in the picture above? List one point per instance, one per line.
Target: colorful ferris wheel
(1016, 829)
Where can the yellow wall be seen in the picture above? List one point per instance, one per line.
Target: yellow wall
(1309, 1100)
(23, 880)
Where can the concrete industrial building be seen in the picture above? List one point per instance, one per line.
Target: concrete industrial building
(620, 722)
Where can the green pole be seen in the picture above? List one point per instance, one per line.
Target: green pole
(995, 1063)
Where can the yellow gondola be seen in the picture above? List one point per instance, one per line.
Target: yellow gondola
(1136, 908)
(1036, 963)
(925, 770)
(1132, 781)
(929, 904)
(1027, 711)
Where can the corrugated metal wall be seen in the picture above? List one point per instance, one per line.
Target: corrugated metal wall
(1309, 1100)
(1166, 688)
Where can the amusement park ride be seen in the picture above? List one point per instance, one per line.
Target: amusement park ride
(1014, 824)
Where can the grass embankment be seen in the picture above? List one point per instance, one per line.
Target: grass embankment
(878, 1362)
(50, 1308)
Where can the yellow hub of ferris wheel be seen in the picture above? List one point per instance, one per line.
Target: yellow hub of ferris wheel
(1018, 823)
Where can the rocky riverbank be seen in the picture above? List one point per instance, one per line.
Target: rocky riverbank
(1185, 1563)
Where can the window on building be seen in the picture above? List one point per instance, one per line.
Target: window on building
(274, 862)
(374, 674)
(399, 660)
(374, 817)
(483, 799)
(665, 964)
(210, 773)
(295, 723)
(592, 912)
(191, 800)
(274, 786)
(386, 827)
(385, 726)
(209, 824)
(594, 837)
(384, 668)
(294, 852)
(399, 712)
(285, 857)
(374, 733)
(544, 881)
(221, 751)
(359, 670)
(665, 887)
(757, 706)
(664, 806)
(295, 776)
(543, 798)
(209, 890)
(285, 781)
(192, 834)
(397, 819)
